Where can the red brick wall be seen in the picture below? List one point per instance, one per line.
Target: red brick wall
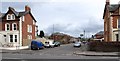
(115, 21)
(28, 21)
(4, 21)
(0, 25)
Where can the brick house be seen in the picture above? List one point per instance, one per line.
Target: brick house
(99, 35)
(0, 21)
(18, 28)
(111, 18)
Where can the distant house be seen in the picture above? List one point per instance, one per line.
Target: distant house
(63, 38)
(18, 28)
(111, 18)
(99, 35)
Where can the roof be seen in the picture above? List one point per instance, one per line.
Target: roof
(100, 33)
(19, 14)
(112, 8)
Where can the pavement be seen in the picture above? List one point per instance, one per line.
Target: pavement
(91, 53)
(14, 48)
(63, 52)
(84, 53)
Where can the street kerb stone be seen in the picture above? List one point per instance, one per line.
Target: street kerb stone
(0, 54)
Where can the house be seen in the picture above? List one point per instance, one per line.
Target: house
(18, 28)
(111, 18)
(61, 37)
(0, 21)
(99, 35)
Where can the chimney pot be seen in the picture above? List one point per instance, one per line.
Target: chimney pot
(107, 2)
(27, 8)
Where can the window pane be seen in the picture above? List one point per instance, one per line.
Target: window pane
(11, 38)
(15, 38)
(13, 17)
(9, 17)
(15, 27)
(118, 23)
(8, 27)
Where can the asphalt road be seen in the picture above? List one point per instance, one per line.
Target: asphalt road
(62, 52)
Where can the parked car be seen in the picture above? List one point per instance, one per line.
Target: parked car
(37, 45)
(47, 45)
(57, 44)
(51, 44)
(77, 44)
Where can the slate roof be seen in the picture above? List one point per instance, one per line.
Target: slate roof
(100, 33)
(19, 14)
(113, 7)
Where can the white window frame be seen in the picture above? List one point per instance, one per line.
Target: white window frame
(6, 27)
(34, 23)
(23, 18)
(14, 27)
(8, 17)
(29, 37)
(29, 28)
(13, 38)
(12, 17)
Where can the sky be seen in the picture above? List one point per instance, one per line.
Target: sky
(71, 17)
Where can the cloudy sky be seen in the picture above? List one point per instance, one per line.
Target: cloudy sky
(67, 16)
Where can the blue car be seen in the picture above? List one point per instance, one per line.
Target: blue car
(36, 45)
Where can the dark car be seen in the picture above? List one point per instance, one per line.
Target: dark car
(36, 45)
(57, 44)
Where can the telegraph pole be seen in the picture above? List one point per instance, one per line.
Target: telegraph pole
(84, 34)
(53, 32)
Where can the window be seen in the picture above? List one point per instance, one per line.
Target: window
(14, 26)
(29, 36)
(15, 38)
(118, 23)
(4, 35)
(29, 27)
(7, 27)
(117, 37)
(11, 38)
(10, 17)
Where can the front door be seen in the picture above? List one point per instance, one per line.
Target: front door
(117, 37)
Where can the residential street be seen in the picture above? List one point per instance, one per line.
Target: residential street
(63, 52)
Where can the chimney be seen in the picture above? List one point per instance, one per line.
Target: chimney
(107, 2)
(119, 2)
(27, 8)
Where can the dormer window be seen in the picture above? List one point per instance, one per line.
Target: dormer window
(10, 17)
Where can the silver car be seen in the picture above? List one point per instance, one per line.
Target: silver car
(77, 44)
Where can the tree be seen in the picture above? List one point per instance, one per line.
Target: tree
(81, 35)
(41, 34)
